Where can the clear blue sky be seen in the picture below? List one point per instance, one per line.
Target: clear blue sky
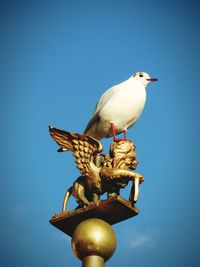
(57, 58)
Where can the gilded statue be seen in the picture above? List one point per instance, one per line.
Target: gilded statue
(100, 173)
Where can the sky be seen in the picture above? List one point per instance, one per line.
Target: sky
(57, 58)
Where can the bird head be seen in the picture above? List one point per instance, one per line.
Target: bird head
(144, 78)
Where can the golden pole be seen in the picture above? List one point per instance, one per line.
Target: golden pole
(93, 242)
(93, 261)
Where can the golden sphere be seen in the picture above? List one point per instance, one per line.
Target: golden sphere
(94, 237)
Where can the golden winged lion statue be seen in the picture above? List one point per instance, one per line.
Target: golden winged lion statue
(100, 173)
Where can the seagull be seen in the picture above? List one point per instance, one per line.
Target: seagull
(119, 107)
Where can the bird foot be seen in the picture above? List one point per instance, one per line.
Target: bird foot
(119, 139)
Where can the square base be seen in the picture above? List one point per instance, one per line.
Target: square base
(112, 210)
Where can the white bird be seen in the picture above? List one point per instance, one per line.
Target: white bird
(119, 107)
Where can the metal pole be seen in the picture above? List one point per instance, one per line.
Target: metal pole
(93, 260)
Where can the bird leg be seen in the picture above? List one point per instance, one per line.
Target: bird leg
(124, 131)
(113, 132)
(115, 139)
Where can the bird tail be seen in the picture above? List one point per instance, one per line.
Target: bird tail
(93, 133)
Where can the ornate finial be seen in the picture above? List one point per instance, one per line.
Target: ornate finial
(89, 224)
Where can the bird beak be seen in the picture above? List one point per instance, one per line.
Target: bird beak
(152, 80)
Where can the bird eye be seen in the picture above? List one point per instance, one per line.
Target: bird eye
(141, 75)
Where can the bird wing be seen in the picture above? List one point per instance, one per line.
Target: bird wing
(102, 101)
(105, 98)
(83, 146)
(109, 94)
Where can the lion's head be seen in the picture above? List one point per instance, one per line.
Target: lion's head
(123, 155)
